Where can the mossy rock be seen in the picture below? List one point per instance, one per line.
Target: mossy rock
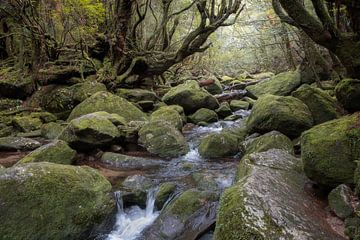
(281, 85)
(330, 151)
(6, 103)
(169, 115)
(164, 193)
(191, 97)
(162, 139)
(52, 201)
(89, 131)
(236, 105)
(266, 183)
(59, 100)
(204, 115)
(219, 145)
(82, 91)
(321, 105)
(51, 130)
(340, 201)
(125, 162)
(287, 115)
(105, 101)
(271, 140)
(45, 117)
(56, 152)
(15, 85)
(348, 94)
(136, 95)
(27, 123)
(18, 144)
(215, 88)
(224, 110)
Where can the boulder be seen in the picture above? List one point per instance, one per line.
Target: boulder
(56, 152)
(169, 115)
(90, 130)
(52, 201)
(13, 85)
(6, 103)
(18, 143)
(217, 145)
(271, 140)
(269, 202)
(204, 115)
(51, 130)
(166, 190)
(57, 100)
(215, 87)
(348, 94)
(236, 105)
(321, 105)
(330, 151)
(224, 110)
(191, 97)
(281, 85)
(340, 201)
(27, 123)
(105, 101)
(287, 115)
(136, 95)
(187, 216)
(125, 162)
(82, 91)
(162, 139)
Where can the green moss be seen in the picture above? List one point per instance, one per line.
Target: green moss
(348, 94)
(27, 123)
(55, 152)
(51, 201)
(165, 191)
(6, 103)
(82, 91)
(224, 110)
(204, 115)
(236, 105)
(136, 95)
(51, 130)
(218, 145)
(168, 115)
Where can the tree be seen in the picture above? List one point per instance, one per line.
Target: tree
(323, 29)
(148, 55)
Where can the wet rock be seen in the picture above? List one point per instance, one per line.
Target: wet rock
(280, 85)
(136, 95)
(169, 115)
(7, 103)
(287, 115)
(224, 110)
(271, 140)
(56, 152)
(27, 123)
(104, 101)
(164, 193)
(52, 201)
(269, 202)
(125, 162)
(321, 105)
(348, 94)
(215, 87)
(51, 130)
(18, 143)
(134, 190)
(162, 139)
(236, 105)
(330, 151)
(186, 217)
(204, 115)
(191, 97)
(218, 145)
(89, 131)
(340, 201)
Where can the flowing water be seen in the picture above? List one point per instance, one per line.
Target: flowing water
(130, 222)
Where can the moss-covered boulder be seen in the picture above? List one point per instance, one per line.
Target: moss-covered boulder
(204, 115)
(215, 88)
(321, 105)
(218, 145)
(18, 143)
(57, 100)
(163, 139)
(169, 115)
(191, 97)
(165, 191)
(177, 219)
(15, 85)
(56, 152)
(271, 140)
(236, 105)
(105, 101)
(269, 202)
(340, 201)
(51, 130)
(52, 201)
(7, 103)
(287, 115)
(281, 85)
(348, 94)
(136, 95)
(90, 130)
(27, 123)
(125, 162)
(330, 151)
(224, 110)
(82, 91)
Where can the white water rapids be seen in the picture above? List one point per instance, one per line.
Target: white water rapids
(132, 221)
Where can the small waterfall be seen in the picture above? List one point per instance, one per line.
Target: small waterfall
(132, 221)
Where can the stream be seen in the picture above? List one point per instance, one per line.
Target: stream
(131, 221)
